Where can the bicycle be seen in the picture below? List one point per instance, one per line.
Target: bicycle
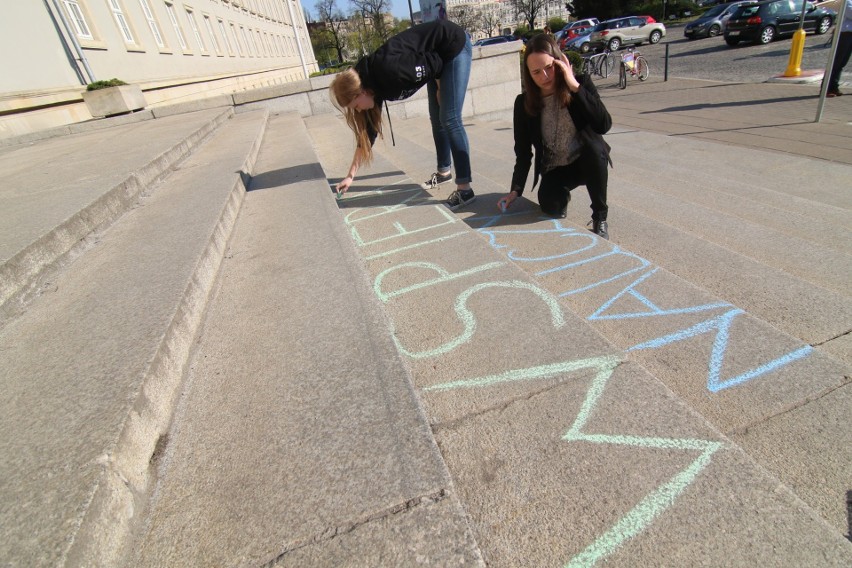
(635, 64)
(601, 64)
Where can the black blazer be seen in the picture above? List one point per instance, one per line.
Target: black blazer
(590, 117)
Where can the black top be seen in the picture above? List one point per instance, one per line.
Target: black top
(590, 117)
(410, 59)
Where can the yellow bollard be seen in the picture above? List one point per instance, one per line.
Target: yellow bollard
(794, 66)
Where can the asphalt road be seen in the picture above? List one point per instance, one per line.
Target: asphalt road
(711, 58)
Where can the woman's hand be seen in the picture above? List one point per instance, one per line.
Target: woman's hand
(567, 72)
(504, 202)
(343, 185)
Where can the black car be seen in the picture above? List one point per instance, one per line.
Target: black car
(762, 22)
(712, 22)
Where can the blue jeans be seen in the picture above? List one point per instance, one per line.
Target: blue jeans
(448, 131)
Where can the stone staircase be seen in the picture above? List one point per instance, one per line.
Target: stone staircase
(229, 367)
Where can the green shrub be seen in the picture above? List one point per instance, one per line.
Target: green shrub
(104, 84)
(333, 69)
(576, 60)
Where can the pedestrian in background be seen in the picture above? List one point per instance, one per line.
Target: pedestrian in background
(841, 56)
(437, 54)
(562, 117)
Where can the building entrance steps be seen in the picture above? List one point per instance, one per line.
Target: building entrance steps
(91, 371)
(588, 403)
(57, 192)
(300, 440)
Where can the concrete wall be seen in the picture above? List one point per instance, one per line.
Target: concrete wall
(495, 81)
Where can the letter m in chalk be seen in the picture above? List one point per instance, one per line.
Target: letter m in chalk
(722, 326)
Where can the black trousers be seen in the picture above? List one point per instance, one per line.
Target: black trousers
(588, 170)
(841, 58)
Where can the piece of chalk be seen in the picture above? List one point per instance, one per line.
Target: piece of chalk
(339, 195)
(503, 206)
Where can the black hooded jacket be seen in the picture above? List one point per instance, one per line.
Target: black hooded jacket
(410, 59)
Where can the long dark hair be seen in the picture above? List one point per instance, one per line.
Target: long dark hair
(542, 43)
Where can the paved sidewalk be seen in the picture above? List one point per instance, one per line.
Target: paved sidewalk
(769, 116)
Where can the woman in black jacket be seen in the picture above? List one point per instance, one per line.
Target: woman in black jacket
(436, 54)
(562, 116)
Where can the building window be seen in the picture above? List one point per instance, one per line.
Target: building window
(152, 23)
(78, 20)
(236, 38)
(118, 14)
(209, 25)
(260, 48)
(178, 32)
(246, 41)
(224, 31)
(190, 15)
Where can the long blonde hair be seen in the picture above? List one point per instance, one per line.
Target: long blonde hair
(542, 43)
(344, 89)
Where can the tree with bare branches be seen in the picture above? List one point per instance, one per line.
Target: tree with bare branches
(489, 20)
(529, 10)
(335, 23)
(465, 16)
(375, 11)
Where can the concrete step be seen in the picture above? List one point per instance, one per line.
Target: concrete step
(567, 438)
(59, 192)
(743, 342)
(299, 408)
(786, 280)
(93, 368)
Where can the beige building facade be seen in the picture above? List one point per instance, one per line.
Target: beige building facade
(174, 50)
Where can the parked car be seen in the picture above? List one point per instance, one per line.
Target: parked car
(581, 24)
(765, 21)
(579, 43)
(495, 39)
(578, 30)
(712, 22)
(574, 29)
(632, 30)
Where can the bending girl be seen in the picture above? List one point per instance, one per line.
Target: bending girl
(421, 55)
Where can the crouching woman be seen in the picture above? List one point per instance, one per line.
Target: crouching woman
(562, 117)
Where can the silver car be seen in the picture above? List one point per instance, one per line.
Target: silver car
(633, 30)
(712, 22)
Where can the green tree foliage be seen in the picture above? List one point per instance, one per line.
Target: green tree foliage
(333, 35)
(556, 24)
(322, 41)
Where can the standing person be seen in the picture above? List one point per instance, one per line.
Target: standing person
(841, 56)
(562, 116)
(436, 54)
